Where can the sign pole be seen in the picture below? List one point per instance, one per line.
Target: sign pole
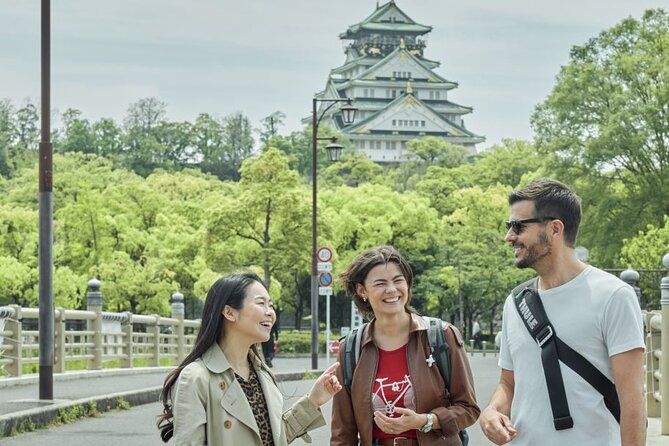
(327, 330)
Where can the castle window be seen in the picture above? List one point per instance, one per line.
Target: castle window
(431, 94)
(422, 123)
(365, 92)
(436, 95)
(394, 123)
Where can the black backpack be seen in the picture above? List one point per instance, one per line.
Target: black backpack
(438, 348)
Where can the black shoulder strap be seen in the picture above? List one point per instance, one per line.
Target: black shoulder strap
(351, 354)
(553, 349)
(439, 349)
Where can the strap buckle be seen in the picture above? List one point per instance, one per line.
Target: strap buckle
(403, 441)
(544, 335)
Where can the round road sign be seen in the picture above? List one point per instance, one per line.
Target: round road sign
(325, 279)
(324, 254)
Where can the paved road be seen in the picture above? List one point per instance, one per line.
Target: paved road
(20, 397)
(136, 426)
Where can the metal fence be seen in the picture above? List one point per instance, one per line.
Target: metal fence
(95, 337)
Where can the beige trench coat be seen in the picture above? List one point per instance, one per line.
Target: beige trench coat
(210, 407)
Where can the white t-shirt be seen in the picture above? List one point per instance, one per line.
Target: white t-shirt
(597, 315)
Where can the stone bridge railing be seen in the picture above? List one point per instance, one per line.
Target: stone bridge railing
(95, 337)
(657, 364)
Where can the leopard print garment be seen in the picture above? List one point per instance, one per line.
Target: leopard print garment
(254, 394)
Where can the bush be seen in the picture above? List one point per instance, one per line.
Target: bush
(300, 341)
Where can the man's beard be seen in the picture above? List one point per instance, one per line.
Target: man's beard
(533, 255)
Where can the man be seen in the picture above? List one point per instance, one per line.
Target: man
(593, 312)
(476, 333)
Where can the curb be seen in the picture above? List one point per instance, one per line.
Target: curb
(67, 376)
(40, 417)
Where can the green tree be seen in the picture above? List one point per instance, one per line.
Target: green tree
(607, 118)
(78, 135)
(263, 224)
(353, 170)
(437, 151)
(269, 126)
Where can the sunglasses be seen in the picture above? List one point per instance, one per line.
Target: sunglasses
(517, 226)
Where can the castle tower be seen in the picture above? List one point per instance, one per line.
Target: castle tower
(398, 94)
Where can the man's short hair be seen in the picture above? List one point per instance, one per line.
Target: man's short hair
(553, 199)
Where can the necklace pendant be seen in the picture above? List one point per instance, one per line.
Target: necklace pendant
(430, 361)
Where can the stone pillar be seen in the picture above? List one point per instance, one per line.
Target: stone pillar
(154, 360)
(652, 363)
(126, 326)
(631, 277)
(59, 366)
(94, 303)
(14, 325)
(178, 313)
(664, 362)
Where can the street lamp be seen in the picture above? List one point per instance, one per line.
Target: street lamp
(334, 150)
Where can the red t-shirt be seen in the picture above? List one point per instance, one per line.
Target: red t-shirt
(392, 388)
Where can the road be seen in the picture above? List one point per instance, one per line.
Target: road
(136, 426)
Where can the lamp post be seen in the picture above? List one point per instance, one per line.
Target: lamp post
(334, 150)
(45, 283)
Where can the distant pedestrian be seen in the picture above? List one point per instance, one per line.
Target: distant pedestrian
(573, 319)
(477, 335)
(223, 394)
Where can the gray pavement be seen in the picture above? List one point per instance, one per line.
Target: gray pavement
(21, 397)
(136, 426)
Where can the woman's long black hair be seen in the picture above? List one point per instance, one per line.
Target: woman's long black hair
(229, 290)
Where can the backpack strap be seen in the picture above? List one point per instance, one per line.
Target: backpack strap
(553, 349)
(439, 349)
(351, 354)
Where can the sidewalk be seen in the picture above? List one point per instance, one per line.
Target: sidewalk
(20, 407)
(653, 434)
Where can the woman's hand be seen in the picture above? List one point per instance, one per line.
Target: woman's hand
(408, 420)
(325, 386)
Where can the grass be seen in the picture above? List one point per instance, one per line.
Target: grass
(82, 364)
(69, 415)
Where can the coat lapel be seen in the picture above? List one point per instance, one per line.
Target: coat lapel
(233, 399)
(274, 400)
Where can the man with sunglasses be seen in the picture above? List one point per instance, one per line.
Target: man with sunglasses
(590, 311)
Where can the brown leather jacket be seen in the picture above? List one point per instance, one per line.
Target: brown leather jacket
(352, 411)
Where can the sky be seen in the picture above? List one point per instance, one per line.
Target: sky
(259, 56)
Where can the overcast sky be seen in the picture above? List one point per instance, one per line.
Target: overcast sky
(258, 56)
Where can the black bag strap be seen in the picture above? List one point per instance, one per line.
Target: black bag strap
(532, 314)
(553, 349)
(351, 354)
(439, 349)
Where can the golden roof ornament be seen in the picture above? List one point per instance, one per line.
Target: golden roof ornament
(409, 88)
(402, 45)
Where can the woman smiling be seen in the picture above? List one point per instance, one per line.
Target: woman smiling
(397, 396)
(223, 394)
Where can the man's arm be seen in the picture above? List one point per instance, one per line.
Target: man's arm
(628, 376)
(495, 420)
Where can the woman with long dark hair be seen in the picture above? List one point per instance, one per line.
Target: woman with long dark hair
(223, 394)
(398, 395)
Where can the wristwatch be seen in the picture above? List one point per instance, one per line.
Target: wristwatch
(427, 427)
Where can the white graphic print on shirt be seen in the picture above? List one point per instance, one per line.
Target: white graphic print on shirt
(387, 396)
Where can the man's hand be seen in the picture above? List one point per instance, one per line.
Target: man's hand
(497, 426)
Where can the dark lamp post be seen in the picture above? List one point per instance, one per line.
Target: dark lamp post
(334, 151)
